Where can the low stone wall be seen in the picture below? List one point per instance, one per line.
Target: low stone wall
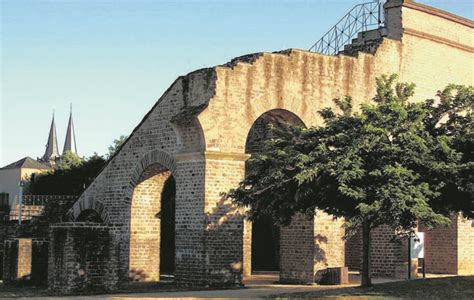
(82, 258)
(25, 259)
(39, 262)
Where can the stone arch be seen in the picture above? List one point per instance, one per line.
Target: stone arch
(152, 157)
(146, 192)
(275, 117)
(89, 215)
(264, 251)
(86, 204)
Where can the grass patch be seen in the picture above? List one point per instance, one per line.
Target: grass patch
(459, 287)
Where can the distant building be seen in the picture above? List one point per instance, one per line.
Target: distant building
(12, 174)
(52, 152)
(70, 141)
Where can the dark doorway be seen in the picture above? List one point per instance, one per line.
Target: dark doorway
(265, 234)
(167, 215)
(265, 245)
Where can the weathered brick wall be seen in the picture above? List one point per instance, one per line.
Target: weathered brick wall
(449, 250)
(441, 248)
(329, 243)
(465, 246)
(190, 249)
(39, 261)
(24, 258)
(17, 260)
(6, 230)
(82, 259)
(247, 248)
(310, 245)
(297, 247)
(353, 252)
(145, 224)
(203, 119)
(10, 261)
(224, 221)
(388, 255)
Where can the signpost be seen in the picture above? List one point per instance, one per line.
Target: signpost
(416, 250)
(20, 200)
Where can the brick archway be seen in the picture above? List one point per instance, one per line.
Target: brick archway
(147, 188)
(263, 253)
(87, 203)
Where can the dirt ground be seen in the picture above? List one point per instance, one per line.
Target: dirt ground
(266, 286)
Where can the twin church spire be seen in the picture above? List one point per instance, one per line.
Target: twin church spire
(70, 142)
(52, 150)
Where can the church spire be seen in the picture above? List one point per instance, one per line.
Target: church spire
(70, 142)
(52, 151)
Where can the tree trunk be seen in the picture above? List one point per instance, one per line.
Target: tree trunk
(366, 249)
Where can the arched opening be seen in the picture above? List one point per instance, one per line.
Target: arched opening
(89, 215)
(167, 216)
(152, 229)
(265, 234)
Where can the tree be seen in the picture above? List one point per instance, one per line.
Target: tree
(68, 160)
(71, 180)
(393, 162)
(71, 175)
(117, 143)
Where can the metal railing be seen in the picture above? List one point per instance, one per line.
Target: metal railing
(362, 17)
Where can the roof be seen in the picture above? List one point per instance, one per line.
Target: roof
(27, 163)
(52, 151)
(70, 141)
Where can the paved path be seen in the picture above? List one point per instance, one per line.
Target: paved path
(257, 286)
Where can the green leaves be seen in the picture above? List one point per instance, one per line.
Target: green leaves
(393, 162)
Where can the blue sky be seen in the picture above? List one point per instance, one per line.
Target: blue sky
(113, 59)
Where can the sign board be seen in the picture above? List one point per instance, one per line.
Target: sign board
(417, 246)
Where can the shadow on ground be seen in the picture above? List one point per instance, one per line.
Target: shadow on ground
(457, 287)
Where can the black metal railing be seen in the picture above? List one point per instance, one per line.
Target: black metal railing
(362, 17)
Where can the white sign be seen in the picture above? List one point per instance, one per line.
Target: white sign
(417, 246)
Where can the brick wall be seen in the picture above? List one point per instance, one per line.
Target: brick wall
(329, 243)
(224, 222)
(39, 261)
(24, 258)
(145, 224)
(465, 246)
(201, 123)
(353, 252)
(449, 250)
(82, 258)
(297, 249)
(17, 260)
(10, 261)
(310, 245)
(441, 248)
(388, 255)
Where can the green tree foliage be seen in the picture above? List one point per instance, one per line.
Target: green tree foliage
(392, 162)
(117, 143)
(68, 160)
(71, 175)
(68, 178)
